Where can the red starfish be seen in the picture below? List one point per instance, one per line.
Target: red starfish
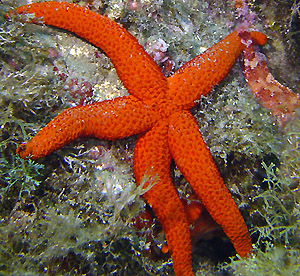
(158, 109)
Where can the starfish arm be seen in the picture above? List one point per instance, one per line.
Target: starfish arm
(136, 69)
(152, 161)
(195, 162)
(199, 75)
(111, 119)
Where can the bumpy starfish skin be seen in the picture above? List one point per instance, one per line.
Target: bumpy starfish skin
(195, 162)
(112, 119)
(133, 65)
(157, 108)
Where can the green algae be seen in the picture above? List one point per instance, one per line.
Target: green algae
(276, 251)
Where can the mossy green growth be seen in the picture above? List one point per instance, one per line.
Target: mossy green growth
(280, 209)
(87, 226)
(21, 176)
(277, 250)
(20, 82)
(274, 261)
(21, 173)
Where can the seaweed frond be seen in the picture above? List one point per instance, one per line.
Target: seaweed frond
(277, 250)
